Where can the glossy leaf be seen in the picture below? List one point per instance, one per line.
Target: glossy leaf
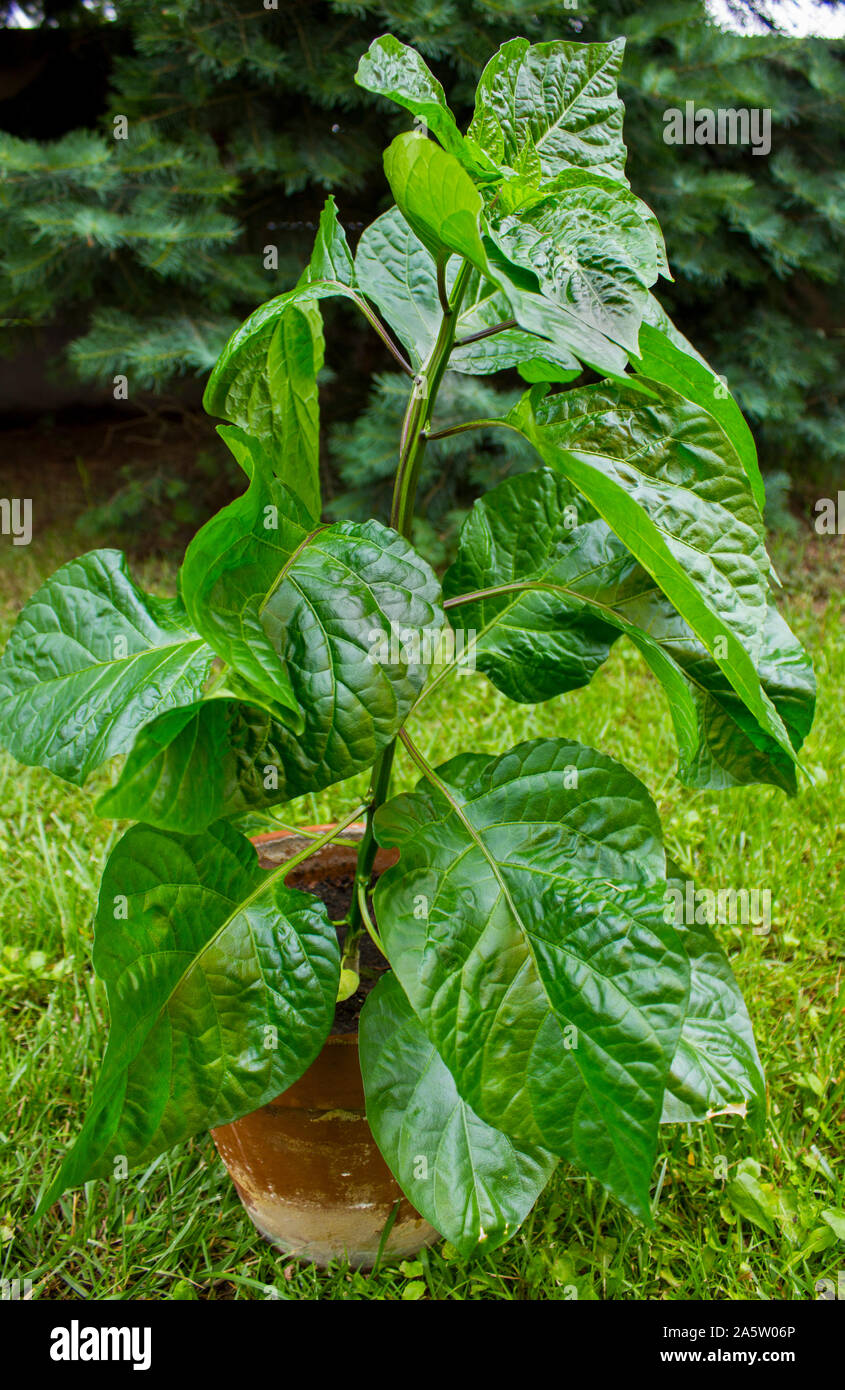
(391, 69)
(221, 985)
(730, 748)
(335, 623)
(470, 1181)
(331, 258)
(90, 660)
(546, 587)
(534, 643)
(396, 271)
(524, 921)
(663, 475)
(716, 1069)
(541, 108)
(591, 250)
(521, 195)
(236, 561)
(437, 197)
(224, 757)
(265, 380)
(568, 331)
(535, 528)
(485, 307)
(176, 774)
(398, 274)
(663, 360)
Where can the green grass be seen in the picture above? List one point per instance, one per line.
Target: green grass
(177, 1230)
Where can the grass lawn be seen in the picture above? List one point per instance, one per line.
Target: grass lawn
(721, 1230)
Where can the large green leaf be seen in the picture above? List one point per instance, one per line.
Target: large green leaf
(536, 529)
(90, 660)
(591, 249)
(570, 332)
(399, 275)
(235, 563)
(221, 985)
(664, 476)
(729, 747)
(547, 107)
(437, 197)
(335, 623)
(538, 358)
(224, 757)
(473, 1183)
(716, 1069)
(396, 271)
(537, 642)
(392, 69)
(662, 359)
(519, 194)
(265, 379)
(524, 921)
(175, 774)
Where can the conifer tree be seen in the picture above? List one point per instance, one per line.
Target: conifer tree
(156, 228)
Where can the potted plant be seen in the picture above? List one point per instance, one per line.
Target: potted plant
(552, 988)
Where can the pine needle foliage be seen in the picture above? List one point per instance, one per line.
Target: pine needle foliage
(242, 113)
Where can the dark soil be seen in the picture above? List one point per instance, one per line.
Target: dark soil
(336, 894)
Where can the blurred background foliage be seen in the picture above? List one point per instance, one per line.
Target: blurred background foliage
(140, 255)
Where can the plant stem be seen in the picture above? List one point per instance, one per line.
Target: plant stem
(418, 414)
(369, 923)
(375, 323)
(411, 447)
(442, 292)
(326, 838)
(300, 832)
(486, 332)
(467, 425)
(368, 848)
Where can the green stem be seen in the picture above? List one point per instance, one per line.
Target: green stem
(467, 425)
(411, 448)
(288, 866)
(369, 923)
(300, 832)
(517, 586)
(486, 332)
(369, 848)
(375, 322)
(442, 292)
(546, 586)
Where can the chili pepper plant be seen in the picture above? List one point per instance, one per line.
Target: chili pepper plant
(555, 990)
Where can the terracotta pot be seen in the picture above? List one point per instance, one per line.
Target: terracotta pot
(306, 1166)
